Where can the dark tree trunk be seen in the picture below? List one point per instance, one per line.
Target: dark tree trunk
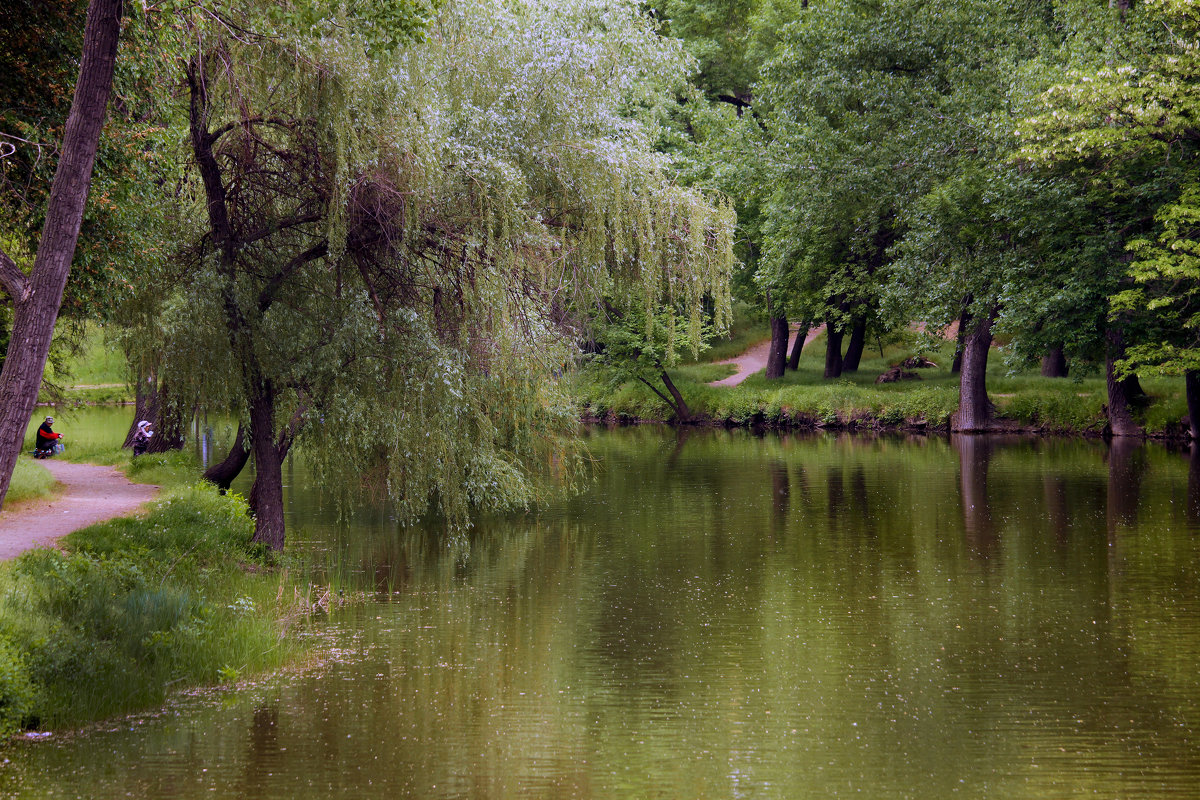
(1120, 403)
(267, 491)
(224, 473)
(37, 297)
(146, 403)
(170, 426)
(680, 405)
(777, 356)
(960, 342)
(854, 348)
(1054, 363)
(793, 362)
(974, 458)
(1193, 484)
(974, 410)
(833, 351)
(1191, 379)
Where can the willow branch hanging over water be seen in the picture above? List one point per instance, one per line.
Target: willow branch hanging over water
(392, 227)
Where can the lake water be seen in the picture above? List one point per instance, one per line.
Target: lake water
(726, 616)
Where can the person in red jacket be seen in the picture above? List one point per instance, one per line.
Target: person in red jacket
(46, 438)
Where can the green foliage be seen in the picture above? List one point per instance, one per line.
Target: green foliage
(134, 607)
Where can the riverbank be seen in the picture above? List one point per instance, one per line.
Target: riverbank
(122, 613)
(804, 400)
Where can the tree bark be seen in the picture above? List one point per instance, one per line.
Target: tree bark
(146, 403)
(1191, 379)
(974, 409)
(793, 362)
(777, 356)
(833, 351)
(854, 349)
(964, 321)
(37, 297)
(1054, 363)
(224, 473)
(681, 407)
(267, 491)
(1120, 414)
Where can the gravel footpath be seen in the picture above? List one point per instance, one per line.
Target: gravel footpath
(89, 494)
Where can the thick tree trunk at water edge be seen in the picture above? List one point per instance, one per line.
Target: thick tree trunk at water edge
(1120, 414)
(974, 410)
(36, 297)
(1054, 363)
(224, 473)
(833, 351)
(777, 356)
(267, 492)
(854, 348)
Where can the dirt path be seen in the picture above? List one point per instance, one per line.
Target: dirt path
(90, 494)
(755, 359)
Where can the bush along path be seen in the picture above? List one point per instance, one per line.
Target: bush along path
(89, 494)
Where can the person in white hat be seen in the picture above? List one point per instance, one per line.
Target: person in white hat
(141, 439)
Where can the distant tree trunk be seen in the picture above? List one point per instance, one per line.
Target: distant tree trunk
(224, 473)
(146, 403)
(36, 297)
(1192, 381)
(833, 351)
(1120, 400)
(1054, 363)
(974, 409)
(854, 349)
(170, 425)
(267, 491)
(777, 356)
(793, 362)
(964, 321)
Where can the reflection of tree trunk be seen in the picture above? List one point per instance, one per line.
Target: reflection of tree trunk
(1054, 491)
(974, 458)
(835, 491)
(854, 348)
(1054, 363)
(1192, 380)
(1193, 485)
(1126, 465)
(974, 410)
(780, 496)
(1120, 399)
(798, 345)
(224, 473)
(681, 437)
(777, 356)
(860, 498)
(262, 755)
(833, 351)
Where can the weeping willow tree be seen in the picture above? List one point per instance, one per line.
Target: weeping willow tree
(393, 213)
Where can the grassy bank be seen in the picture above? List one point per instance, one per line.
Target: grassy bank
(134, 608)
(804, 399)
(30, 481)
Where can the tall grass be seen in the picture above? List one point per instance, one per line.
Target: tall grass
(133, 608)
(30, 481)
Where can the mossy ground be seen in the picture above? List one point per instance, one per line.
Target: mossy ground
(803, 398)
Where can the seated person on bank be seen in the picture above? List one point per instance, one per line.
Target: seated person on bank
(46, 437)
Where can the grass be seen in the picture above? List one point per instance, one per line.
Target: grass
(803, 397)
(95, 374)
(748, 327)
(30, 481)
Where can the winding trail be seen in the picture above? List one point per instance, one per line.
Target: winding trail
(89, 494)
(755, 359)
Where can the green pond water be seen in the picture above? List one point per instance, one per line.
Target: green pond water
(726, 616)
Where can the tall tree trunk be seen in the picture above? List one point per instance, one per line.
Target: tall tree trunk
(833, 351)
(777, 356)
(37, 297)
(974, 409)
(793, 362)
(960, 338)
(1120, 415)
(146, 403)
(267, 491)
(1191, 379)
(224, 473)
(170, 426)
(1054, 363)
(854, 348)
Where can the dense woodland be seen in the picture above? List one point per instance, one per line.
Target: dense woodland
(381, 231)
